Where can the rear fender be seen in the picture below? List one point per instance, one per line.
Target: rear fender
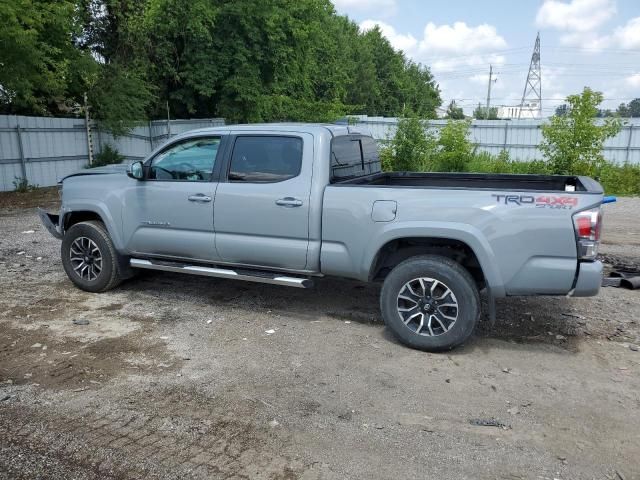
(452, 231)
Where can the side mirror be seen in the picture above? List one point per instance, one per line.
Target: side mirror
(136, 171)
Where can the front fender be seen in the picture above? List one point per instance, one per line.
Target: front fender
(113, 225)
(462, 232)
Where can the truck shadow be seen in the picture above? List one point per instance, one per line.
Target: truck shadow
(520, 320)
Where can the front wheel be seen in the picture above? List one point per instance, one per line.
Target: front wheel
(430, 303)
(89, 257)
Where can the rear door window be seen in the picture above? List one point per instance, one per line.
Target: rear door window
(353, 156)
(265, 159)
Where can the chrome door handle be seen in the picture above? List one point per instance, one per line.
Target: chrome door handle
(200, 197)
(289, 202)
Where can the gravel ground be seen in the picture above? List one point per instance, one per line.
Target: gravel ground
(179, 377)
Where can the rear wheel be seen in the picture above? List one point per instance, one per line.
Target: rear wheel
(430, 303)
(89, 257)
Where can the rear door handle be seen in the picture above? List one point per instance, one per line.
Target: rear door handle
(289, 202)
(199, 197)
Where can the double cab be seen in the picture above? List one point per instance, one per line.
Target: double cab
(288, 203)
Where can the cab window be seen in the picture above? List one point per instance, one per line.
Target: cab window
(265, 159)
(189, 161)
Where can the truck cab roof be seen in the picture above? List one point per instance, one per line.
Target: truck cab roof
(312, 128)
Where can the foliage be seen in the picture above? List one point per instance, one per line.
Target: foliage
(22, 185)
(484, 162)
(107, 156)
(623, 110)
(454, 149)
(454, 112)
(245, 60)
(561, 110)
(35, 54)
(632, 109)
(620, 179)
(414, 148)
(480, 113)
(574, 142)
(118, 98)
(411, 149)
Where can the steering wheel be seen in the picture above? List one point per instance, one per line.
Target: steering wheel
(188, 170)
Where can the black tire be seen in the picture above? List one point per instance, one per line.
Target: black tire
(109, 275)
(449, 275)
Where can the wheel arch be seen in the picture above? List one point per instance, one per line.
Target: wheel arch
(467, 248)
(77, 213)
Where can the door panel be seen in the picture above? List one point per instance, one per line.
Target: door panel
(171, 212)
(163, 221)
(259, 221)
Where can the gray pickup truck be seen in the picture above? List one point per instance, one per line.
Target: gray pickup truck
(287, 203)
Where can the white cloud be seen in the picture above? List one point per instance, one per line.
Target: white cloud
(444, 65)
(633, 80)
(398, 41)
(348, 6)
(460, 38)
(575, 16)
(586, 40)
(628, 36)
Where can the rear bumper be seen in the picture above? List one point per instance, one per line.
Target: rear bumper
(51, 223)
(589, 279)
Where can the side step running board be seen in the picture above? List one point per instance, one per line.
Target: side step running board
(247, 275)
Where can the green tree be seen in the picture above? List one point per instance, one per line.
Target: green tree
(561, 110)
(35, 55)
(480, 113)
(634, 108)
(573, 143)
(623, 111)
(454, 112)
(245, 60)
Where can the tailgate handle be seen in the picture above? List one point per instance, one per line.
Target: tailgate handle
(289, 202)
(200, 197)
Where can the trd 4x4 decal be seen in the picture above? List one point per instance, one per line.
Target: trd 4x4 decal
(542, 201)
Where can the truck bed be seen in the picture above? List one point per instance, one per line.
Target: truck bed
(478, 181)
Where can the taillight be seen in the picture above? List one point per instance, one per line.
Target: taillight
(588, 224)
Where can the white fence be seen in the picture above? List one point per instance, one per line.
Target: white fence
(43, 149)
(521, 138)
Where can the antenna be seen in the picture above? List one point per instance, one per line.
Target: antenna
(533, 87)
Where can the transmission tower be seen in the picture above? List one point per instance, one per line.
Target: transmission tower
(532, 94)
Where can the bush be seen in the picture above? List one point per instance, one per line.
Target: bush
(454, 150)
(620, 179)
(22, 185)
(415, 149)
(108, 156)
(410, 149)
(573, 142)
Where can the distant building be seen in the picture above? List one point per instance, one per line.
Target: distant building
(441, 112)
(529, 110)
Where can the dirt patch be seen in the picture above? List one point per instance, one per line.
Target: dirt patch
(40, 197)
(43, 357)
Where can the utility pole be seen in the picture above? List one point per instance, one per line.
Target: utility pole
(486, 113)
(87, 124)
(533, 86)
(168, 122)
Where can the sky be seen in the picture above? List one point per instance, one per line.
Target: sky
(594, 43)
